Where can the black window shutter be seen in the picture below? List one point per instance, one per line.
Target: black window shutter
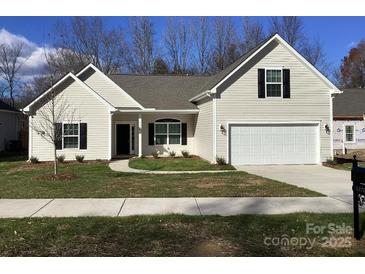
(83, 136)
(151, 134)
(286, 83)
(261, 83)
(184, 134)
(58, 135)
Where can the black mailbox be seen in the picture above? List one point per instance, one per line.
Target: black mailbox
(358, 190)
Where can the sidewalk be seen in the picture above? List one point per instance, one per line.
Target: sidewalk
(122, 166)
(18, 208)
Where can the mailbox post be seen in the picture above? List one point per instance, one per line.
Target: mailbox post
(358, 189)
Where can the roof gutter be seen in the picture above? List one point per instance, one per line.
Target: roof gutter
(202, 95)
(153, 110)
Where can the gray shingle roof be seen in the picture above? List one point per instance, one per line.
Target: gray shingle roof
(171, 91)
(5, 106)
(350, 103)
(161, 91)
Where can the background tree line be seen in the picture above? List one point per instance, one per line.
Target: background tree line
(196, 45)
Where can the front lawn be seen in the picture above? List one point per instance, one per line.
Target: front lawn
(97, 180)
(177, 235)
(175, 164)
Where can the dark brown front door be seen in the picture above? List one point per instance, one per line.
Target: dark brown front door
(123, 141)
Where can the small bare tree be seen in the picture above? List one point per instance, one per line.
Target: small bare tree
(55, 110)
(11, 62)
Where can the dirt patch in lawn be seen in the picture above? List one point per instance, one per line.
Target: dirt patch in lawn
(58, 177)
(213, 248)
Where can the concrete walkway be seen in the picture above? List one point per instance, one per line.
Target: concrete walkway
(331, 182)
(122, 166)
(17, 208)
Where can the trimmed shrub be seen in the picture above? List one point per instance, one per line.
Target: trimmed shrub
(80, 158)
(172, 154)
(185, 153)
(155, 154)
(61, 158)
(34, 160)
(220, 161)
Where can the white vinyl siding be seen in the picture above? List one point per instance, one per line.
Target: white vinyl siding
(87, 109)
(114, 95)
(204, 130)
(309, 99)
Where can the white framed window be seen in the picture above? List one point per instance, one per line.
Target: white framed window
(274, 82)
(70, 135)
(349, 133)
(167, 133)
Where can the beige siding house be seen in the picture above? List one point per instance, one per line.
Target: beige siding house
(9, 125)
(269, 107)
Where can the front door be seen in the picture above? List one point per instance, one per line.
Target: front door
(123, 140)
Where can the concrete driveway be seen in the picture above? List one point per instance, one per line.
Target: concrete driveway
(328, 181)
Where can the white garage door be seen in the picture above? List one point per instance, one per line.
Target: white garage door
(274, 144)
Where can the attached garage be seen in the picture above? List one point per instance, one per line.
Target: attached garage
(274, 143)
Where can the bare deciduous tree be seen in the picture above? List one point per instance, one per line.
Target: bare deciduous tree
(314, 53)
(11, 61)
(177, 44)
(291, 28)
(224, 43)
(201, 37)
(288, 27)
(87, 40)
(253, 34)
(142, 50)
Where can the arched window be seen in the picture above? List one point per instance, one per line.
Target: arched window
(167, 132)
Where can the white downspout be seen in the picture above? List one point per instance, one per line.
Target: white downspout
(139, 135)
(110, 122)
(30, 136)
(214, 128)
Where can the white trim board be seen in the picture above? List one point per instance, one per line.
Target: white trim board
(176, 111)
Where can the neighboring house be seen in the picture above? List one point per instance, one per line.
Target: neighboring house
(9, 125)
(348, 120)
(271, 106)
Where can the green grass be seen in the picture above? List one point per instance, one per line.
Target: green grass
(172, 235)
(97, 180)
(175, 164)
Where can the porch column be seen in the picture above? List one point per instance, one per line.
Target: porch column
(110, 123)
(139, 135)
